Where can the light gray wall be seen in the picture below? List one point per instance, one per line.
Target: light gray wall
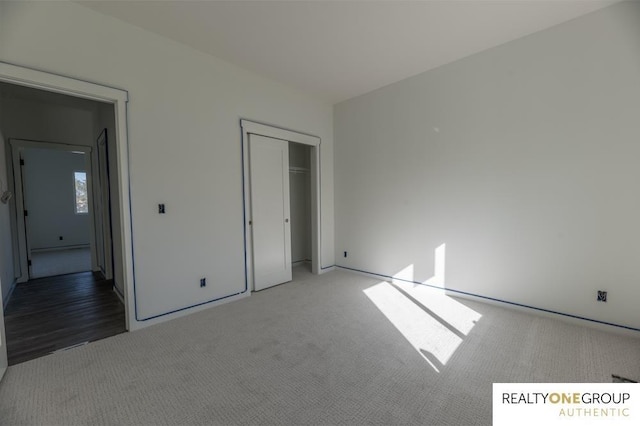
(522, 159)
(184, 139)
(300, 202)
(6, 250)
(49, 195)
(46, 121)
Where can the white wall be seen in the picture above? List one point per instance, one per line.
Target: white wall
(6, 250)
(46, 121)
(184, 142)
(522, 159)
(300, 202)
(49, 195)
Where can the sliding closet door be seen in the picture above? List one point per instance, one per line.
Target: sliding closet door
(271, 230)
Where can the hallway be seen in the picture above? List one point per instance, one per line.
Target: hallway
(47, 263)
(52, 313)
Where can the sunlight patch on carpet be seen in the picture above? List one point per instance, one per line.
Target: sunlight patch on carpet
(435, 328)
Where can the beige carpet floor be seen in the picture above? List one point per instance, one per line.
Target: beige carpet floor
(339, 348)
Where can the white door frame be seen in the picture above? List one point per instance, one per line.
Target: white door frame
(252, 127)
(22, 76)
(17, 147)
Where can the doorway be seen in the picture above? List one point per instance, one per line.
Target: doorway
(110, 271)
(267, 201)
(64, 293)
(52, 185)
(300, 204)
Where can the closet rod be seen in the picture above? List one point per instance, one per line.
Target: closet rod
(298, 170)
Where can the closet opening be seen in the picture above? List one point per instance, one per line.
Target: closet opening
(281, 170)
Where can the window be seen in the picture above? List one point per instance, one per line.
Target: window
(82, 201)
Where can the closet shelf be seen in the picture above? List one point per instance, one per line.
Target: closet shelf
(298, 170)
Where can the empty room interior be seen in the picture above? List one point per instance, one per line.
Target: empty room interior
(310, 212)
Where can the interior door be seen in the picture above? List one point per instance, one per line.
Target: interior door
(270, 227)
(105, 250)
(26, 218)
(99, 219)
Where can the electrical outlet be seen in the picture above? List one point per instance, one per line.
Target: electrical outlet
(203, 282)
(345, 254)
(602, 296)
(161, 208)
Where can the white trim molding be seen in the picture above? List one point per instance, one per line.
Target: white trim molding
(255, 128)
(42, 80)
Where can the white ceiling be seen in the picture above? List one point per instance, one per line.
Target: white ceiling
(341, 49)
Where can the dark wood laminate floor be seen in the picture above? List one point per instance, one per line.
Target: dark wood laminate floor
(52, 313)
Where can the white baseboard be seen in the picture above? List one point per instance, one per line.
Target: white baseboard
(359, 272)
(71, 247)
(581, 321)
(116, 290)
(574, 319)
